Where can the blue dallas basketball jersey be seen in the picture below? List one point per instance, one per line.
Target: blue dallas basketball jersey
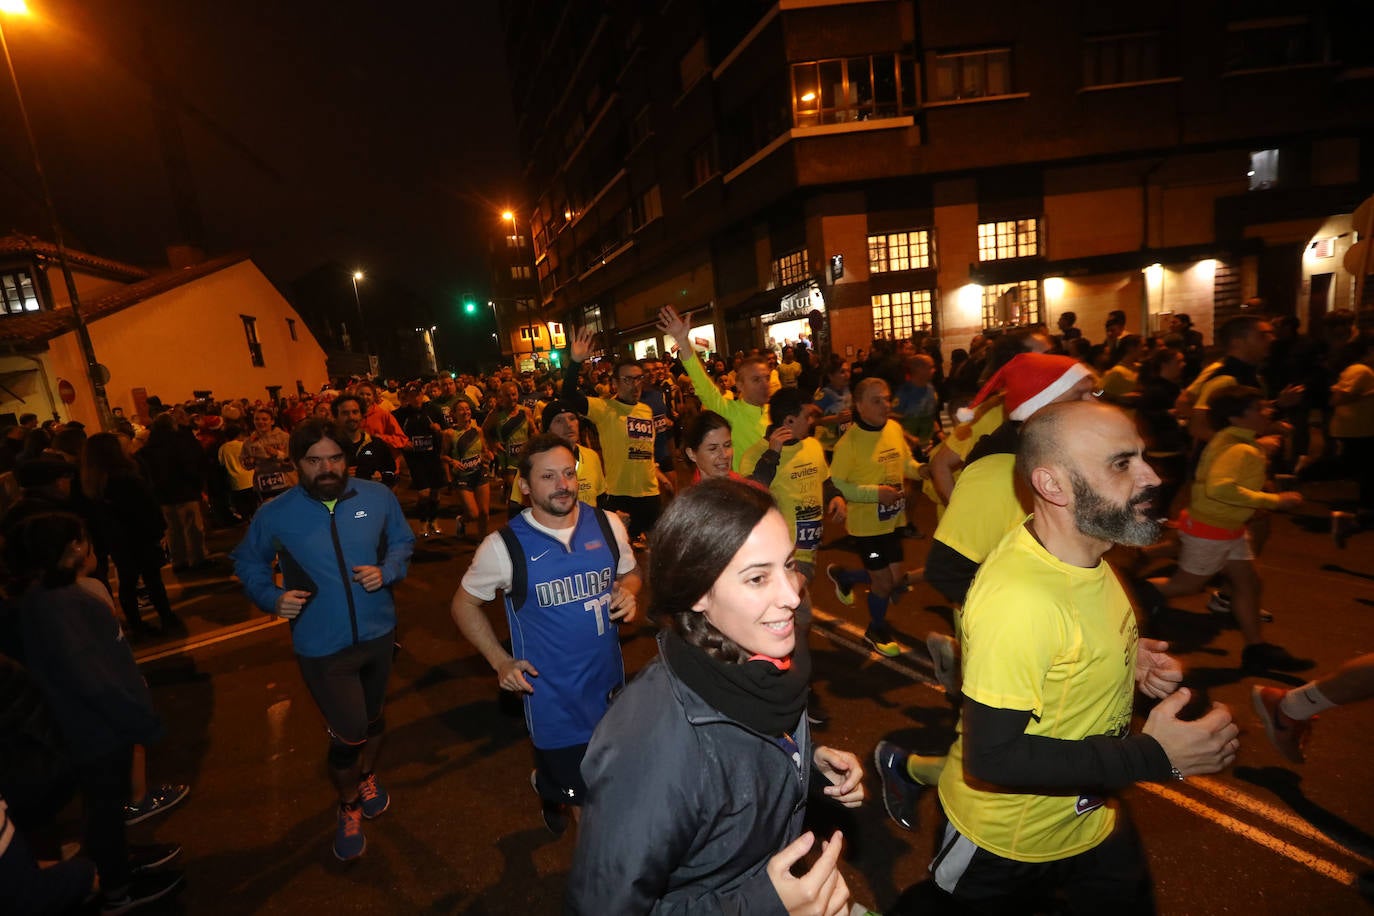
(562, 626)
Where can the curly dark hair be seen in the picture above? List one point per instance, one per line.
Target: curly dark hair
(692, 544)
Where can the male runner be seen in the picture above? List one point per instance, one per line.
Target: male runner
(342, 544)
(568, 576)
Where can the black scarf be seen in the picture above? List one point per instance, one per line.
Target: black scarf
(756, 693)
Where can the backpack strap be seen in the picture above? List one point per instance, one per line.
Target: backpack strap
(519, 583)
(609, 534)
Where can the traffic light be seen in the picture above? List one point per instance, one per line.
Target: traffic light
(469, 305)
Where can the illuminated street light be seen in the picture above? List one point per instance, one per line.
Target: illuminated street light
(508, 216)
(357, 300)
(97, 373)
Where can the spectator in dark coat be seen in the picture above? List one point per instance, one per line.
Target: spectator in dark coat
(174, 461)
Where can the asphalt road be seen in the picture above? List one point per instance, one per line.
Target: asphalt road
(464, 835)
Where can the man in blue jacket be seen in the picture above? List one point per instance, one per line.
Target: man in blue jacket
(342, 544)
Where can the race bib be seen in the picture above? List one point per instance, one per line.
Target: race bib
(270, 483)
(891, 511)
(639, 428)
(809, 534)
(468, 465)
(663, 423)
(422, 443)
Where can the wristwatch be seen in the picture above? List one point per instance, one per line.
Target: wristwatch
(1174, 772)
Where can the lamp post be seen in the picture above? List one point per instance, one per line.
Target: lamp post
(97, 373)
(357, 300)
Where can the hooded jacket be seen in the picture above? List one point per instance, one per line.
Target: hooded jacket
(318, 548)
(684, 806)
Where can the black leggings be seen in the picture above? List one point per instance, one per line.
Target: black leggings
(146, 564)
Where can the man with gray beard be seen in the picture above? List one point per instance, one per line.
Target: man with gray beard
(1051, 661)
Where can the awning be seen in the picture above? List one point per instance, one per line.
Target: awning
(767, 301)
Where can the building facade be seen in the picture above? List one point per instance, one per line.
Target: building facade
(216, 326)
(899, 165)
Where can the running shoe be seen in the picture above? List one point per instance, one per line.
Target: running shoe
(555, 815)
(944, 659)
(349, 842)
(900, 792)
(843, 592)
(1220, 603)
(881, 640)
(139, 892)
(1289, 736)
(1265, 656)
(144, 858)
(372, 798)
(159, 799)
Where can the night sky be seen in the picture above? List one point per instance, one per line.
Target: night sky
(367, 134)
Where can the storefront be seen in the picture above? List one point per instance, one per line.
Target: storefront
(790, 323)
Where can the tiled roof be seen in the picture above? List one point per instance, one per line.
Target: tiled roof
(34, 328)
(28, 246)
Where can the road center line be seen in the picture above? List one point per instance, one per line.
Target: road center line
(210, 639)
(1254, 834)
(1279, 816)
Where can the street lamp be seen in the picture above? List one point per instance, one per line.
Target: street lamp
(97, 373)
(362, 330)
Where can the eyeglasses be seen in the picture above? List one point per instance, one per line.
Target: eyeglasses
(632, 379)
(313, 462)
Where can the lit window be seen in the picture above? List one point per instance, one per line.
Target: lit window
(896, 316)
(16, 288)
(790, 269)
(1013, 238)
(899, 251)
(515, 241)
(1009, 305)
(1114, 59)
(519, 272)
(1264, 169)
(971, 75)
(650, 207)
(701, 163)
(852, 89)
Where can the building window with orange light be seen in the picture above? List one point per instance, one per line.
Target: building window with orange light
(1013, 238)
(896, 316)
(16, 287)
(899, 251)
(1011, 305)
(790, 269)
(852, 89)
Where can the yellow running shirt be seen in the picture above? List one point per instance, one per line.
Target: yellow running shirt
(627, 444)
(799, 488)
(591, 482)
(864, 459)
(961, 441)
(1059, 640)
(983, 507)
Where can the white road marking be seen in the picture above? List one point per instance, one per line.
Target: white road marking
(209, 639)
(1284, 818)
(1254, 834)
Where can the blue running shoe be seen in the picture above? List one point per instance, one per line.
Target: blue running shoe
(900, 793)
(349, 841)
(372, 798)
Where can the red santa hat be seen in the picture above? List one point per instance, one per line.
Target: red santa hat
(1031, 381)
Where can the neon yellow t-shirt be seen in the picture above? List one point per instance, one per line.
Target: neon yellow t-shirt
(799, 488)
(983, 507)
(627, 444)
(863, 460)
(591, 481)
(961, 441)
(748, 424)
(1059, 640)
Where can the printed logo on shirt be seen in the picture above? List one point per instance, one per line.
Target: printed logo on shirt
(1088, 803)
(592, 545)
(361, 513)
(536, 559)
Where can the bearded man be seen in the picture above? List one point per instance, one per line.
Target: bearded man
(327, 534)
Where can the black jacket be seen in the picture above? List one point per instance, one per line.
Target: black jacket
(175, 464)
(684, 806)
(127, 517)
(77, 655)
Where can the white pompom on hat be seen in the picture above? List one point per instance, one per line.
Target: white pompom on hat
(1031, 381)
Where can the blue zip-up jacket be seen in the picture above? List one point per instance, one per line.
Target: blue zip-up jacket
(318, 550)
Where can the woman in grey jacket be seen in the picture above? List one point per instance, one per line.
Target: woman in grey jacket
(697, 777)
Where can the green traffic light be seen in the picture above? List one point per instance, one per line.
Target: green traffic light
(470, 307)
